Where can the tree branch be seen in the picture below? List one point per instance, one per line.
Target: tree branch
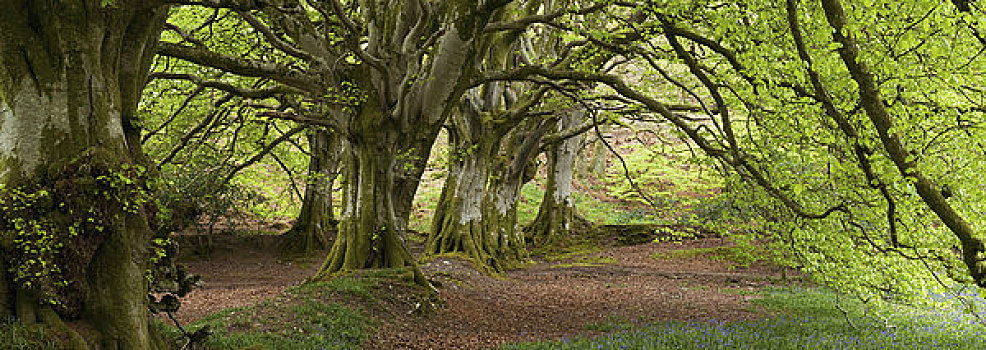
(263, 152)
(273, 39)
(872, 102)
(230, 88)
(239, 5)
(242, 66)
(523, 23)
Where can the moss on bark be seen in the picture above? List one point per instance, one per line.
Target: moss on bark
(316, 221)
(72, 71)
(370, 234)
(557, 214)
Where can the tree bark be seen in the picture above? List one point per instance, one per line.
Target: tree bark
(370, 233)
(511, 169)
(557, 214)
(71, 74)
(596, 164)
(459, 223)
(477, 213)
(316, 219)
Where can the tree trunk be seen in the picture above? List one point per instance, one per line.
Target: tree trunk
(477, 213)
(511, 169)
(459, 224)
(70, 78)
(412, 160)
(404, 99)
(370, 233)
(316, 220)
(596, 165)
(557, 213)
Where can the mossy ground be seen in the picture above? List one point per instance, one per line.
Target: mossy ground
(337, 313)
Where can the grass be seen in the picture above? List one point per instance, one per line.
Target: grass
(611, 213)
(28, 337)
(309, 316)
(664, 173)
(735, 255)
(803, 319)
(612, 323)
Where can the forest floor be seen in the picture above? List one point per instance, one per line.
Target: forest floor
(575, 296)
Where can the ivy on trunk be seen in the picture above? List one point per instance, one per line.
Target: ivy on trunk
(70, 78)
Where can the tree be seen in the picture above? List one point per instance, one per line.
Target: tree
(74, 219)
(853, 135)
(486, 114)
(597, 154)
(476, 213)
(512, 167)
(397, 68)
(557, 215)
(848, 141)
(316, 218)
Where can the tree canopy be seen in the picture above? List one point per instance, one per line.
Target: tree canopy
(852, 132)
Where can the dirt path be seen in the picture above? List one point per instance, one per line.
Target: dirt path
(540, 302)
(543, 301)
(241, 272)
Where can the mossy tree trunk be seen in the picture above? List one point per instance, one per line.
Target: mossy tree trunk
(452, 170)
(557, 213)
(477, 213)
(370, 232)
(391, 135)
(510, 170)
(399, 71)
(71, 74)
(458, 224)
(316, 219)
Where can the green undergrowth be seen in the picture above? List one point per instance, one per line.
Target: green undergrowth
(580, 244)
(611, 213)
(663, 173)
(17, 336)
(612, 323)
(274, 188)
(587, 261)
(794, 318)
(738, 255)
(330, 314)
(531, 195)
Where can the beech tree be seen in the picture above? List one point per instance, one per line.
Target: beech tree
(398, 69)
(476, 213)
(832, 122)
(74, 224)
(876, 188)
(557, 216)
(843, 121)
(316, 219)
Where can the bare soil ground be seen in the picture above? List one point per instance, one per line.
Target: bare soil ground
(543, 301)
(241, 271)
